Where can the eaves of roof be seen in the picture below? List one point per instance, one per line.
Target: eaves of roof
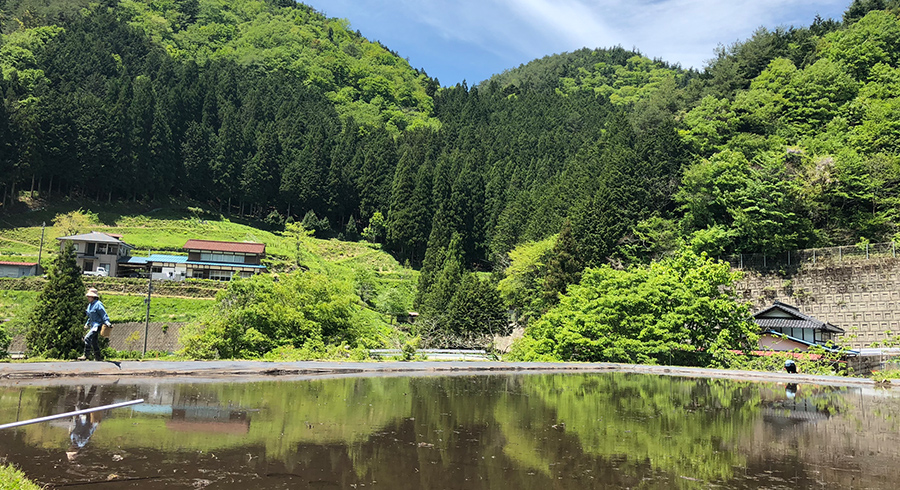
(810, 344)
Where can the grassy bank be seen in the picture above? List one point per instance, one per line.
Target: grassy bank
(121, 308)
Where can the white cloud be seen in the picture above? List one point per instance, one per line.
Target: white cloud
(685, 31)
(572, 20)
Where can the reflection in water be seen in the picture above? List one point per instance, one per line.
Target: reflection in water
(790, 391)
(83, 426)
(609, 430)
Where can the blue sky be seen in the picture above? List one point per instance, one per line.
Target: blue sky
(456, 40)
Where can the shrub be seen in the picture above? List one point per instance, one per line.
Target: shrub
(5, 340)
(678, 311)
(257, 315)
(13, 479)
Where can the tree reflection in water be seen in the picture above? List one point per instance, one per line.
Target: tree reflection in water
(611, 430)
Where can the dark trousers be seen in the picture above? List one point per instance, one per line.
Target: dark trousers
(92, 341)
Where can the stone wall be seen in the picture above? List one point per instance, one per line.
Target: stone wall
(861, 296)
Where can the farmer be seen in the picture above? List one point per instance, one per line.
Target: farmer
(790, 366)
(96, 316)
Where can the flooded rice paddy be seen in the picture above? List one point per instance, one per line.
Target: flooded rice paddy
(532, 431)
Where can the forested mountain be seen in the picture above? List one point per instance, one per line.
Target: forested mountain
(618, 74)
(267, 108)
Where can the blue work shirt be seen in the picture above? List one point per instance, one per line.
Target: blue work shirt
(96, 314)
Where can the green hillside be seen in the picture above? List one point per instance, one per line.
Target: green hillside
(623, 76)
(374, 285)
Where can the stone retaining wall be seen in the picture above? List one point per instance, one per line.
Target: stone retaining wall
(862, 297)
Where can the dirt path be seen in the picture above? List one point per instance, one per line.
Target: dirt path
(18, 241)
(53, 373)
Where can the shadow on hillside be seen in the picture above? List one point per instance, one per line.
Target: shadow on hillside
(27, 213)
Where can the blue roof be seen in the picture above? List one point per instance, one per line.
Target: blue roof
(133, 260)
(172, 259)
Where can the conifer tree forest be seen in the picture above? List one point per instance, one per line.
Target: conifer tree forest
(266, 108)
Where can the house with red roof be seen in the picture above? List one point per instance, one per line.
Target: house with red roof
(209, 259)
(18, 269)
(205, 259)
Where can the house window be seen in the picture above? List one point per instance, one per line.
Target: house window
(220, 275)
(88, 265)
(101, 248)
(105, 267)
(246, 274)
(221, 257)
(156, 268)
(112, 249)
(75, 247)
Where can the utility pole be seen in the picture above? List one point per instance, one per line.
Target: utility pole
(40, 270)
(149, 291)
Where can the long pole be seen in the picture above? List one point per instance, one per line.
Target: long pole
(149, 291)
(70, 414)
(40, 270)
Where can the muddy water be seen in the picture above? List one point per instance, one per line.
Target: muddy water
(459, 432)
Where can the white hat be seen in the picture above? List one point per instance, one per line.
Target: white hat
(92, 293)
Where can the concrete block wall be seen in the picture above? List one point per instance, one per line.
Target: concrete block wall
(862, 297)
(130, 336)
(161, 336)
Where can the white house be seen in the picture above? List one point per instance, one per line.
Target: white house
(94, 249)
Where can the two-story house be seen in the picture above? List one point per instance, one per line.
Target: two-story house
(205, 259)
(209, 259)
(95, 249)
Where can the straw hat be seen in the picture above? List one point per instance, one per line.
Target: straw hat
(92, 293)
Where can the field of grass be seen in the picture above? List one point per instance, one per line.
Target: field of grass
(123, 308)
(17, 305)
(158, 229)
(145, 234)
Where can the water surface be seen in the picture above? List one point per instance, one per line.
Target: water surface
(547, 431)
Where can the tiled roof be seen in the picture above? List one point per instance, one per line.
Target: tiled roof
(22, 264)
(787, 323)
(799, 319)
(236, 247)
(96, 237)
